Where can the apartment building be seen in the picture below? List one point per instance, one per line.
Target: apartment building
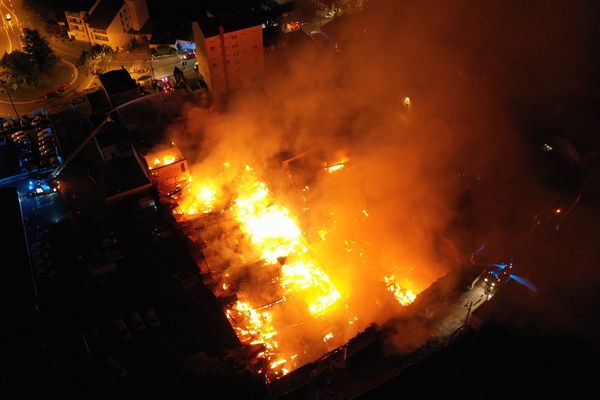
(107, 22)
(229, 50)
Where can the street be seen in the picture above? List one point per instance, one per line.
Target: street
(11, 25)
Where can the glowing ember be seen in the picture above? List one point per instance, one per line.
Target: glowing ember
(404, 297)
(201, 199)
(335, 168)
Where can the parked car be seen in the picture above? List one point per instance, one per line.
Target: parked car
(39, 253)
(104, 269)
(152, 319)
(36, 120)
(17, 135)
(40, 245)
(42, 235)
(137, 323)
(115, 368)
(109, 241)
(44, 131)
(44, 272)
(121, 329)
(53, 93)
(47, 142)
(7, 124)
(116, 254)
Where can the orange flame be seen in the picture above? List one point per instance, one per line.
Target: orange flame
(278, 241)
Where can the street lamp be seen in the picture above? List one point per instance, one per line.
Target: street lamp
(4, 85)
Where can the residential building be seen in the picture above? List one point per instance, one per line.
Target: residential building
(229, 50)
(168, 168)
(107, 22)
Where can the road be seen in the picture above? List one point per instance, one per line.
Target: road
(69, 52)
(10, 38)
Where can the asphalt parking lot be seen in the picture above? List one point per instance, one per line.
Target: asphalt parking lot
(33, 141)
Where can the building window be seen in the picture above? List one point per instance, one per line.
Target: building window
(212, 48)
(182, 167)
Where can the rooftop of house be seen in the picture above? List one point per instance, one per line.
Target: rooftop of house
(230, 22)
(117, 81)
(104, 13)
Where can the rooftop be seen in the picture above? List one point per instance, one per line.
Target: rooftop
(17, 292)
(98, 100)
(165, 156)
(230, 22)
(117, 81)
(122, 176)
(104, 13)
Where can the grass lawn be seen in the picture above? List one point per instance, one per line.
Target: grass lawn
(62, 73)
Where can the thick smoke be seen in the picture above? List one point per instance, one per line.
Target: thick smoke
(389, 210)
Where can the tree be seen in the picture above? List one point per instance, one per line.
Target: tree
(96, 60)
(39, 49)
(18, 68)
(39, 11)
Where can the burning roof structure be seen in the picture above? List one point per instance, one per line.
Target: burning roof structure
(271, 274)
(167, 167)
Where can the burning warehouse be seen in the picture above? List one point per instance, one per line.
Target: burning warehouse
(270, 274)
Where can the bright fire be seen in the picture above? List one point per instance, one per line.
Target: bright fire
(283, 297)
(404, 297)
(162, 161)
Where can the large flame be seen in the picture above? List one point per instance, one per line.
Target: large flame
(163, 161)
(297, 287)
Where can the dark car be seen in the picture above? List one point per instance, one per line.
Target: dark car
(52, 94)
(47, 142)
(36, 120)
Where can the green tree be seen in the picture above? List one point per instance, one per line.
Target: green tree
(18, 68)
(96, 60)
(39, 49)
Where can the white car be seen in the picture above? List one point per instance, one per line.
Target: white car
(8, 17)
